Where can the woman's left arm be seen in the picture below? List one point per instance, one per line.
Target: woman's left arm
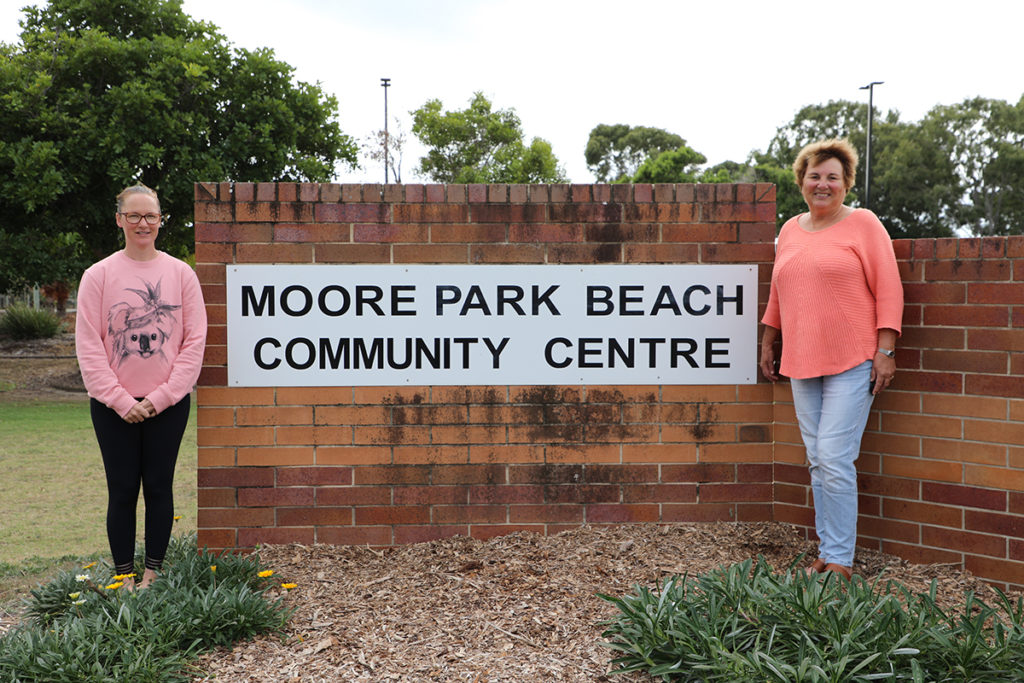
(189, 360)
(883, 367)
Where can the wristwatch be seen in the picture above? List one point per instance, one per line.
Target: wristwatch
(891, 353)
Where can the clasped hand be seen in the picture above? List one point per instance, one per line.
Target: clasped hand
(140, 411)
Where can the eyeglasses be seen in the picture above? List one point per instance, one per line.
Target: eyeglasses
(136, 218)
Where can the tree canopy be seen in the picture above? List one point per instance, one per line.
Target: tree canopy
(100, 94)
(480, 145)
(958, 170)
(616, 152)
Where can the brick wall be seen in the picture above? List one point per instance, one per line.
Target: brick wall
(942, 475)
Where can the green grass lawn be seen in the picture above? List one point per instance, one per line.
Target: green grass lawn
(52, 491)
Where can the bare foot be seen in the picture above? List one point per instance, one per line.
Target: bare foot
(148, 577)
(128, 583)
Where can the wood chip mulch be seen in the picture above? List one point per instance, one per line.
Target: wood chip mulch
(520, 608)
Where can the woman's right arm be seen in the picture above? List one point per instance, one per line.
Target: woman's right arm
(99, 378)
(768, 338)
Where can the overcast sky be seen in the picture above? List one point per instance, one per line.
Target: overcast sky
(722, 74)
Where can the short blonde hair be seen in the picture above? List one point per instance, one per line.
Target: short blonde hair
(823, 150)
(137, 188)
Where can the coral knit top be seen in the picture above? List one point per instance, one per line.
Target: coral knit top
(831, 291)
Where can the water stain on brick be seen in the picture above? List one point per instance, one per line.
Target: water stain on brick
(557, 474)
(703, 426)
(753, 433)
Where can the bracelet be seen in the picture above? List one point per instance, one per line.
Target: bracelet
(891, 353)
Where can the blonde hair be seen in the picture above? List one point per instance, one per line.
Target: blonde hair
(137, 188)
(823, 150)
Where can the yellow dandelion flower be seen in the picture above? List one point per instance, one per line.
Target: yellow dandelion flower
(289, 586)
(89, 566)
(266, 574)
(75, 595)
(177, 517)
(122, 577)
(114, 586)
(213, 568)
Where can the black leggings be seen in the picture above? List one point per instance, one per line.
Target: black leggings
(142, 453)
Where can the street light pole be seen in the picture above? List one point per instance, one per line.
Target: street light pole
(385, 83)
(870, 87)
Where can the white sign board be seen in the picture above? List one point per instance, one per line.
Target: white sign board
(387, 325)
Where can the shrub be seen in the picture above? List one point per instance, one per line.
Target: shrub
(746, 623)
(78, 629)
(22, 322)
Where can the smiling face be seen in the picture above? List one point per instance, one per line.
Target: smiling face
(139, 238)
(824, 187)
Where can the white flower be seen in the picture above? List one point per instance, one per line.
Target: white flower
(78, 602)
(81, 578)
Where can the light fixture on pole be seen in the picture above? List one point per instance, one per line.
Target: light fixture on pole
(385, 83)
(870, 87)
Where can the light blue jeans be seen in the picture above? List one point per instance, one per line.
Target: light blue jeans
(832, 412)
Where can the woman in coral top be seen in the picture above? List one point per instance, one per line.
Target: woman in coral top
(140, 333)
(837, 301)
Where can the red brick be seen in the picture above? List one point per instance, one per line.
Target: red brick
(314, 476)
(585, 253)
(484, 532)
(994, 385)
(469, 474)
(963, 541)
(928, 513)
(582, 493)
(216, 539)
(430, 253)
(437, 213)
(994, 523)
(736, 253)
(545, 474)
(998, 570)
(921, 555)
(273, 497)
(622, 513)
(425, 534)
(319, 516)
(352, 213)
(967, 270)
(431, 455)
(504, 253)
(560, 514)
(235, 517)
(430, 495)
(235, 476)
(376, 233)
(363, 536)
(660, 493)
(392, 474)
(656, 213)
(252, 537)
(715, 493)
(506, 494)
(698, 512)
(470, 514)
(353, 495)
(283, 252)
(964, 496)
(392, 514)
(218, 498)
(353, 253)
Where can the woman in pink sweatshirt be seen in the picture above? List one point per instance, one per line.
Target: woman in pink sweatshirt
(140, 333)
(837, 301)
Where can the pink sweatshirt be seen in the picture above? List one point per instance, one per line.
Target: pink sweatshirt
(832, 290)
(140, 331)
